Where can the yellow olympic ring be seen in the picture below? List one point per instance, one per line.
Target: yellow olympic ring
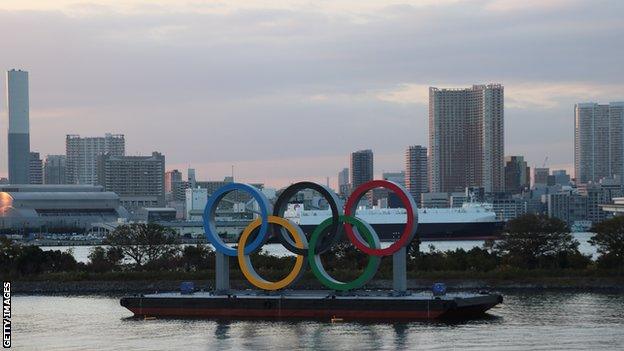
(245, 262)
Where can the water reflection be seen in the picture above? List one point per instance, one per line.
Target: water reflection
(542, 320)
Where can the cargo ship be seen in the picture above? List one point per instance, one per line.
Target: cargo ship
(321, 305)
(472, 221)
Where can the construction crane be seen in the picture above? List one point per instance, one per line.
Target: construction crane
(545, 161)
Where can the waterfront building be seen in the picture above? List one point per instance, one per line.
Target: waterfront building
(598, 141)
(416, 172)
(138, 180)
(35, 173)
(82, 155)
(361, 167)
(517, 174)
(35, 208)
(343, 182)
(19, 126)
(54, 169)
(466, 138)
(596, 195)
(508, 208)
(158, 215)
(568, 206)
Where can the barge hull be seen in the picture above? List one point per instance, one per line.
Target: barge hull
(310, 307)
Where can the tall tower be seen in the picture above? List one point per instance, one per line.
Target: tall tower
(343, 182)
(416, 180)
(19, 129)
(361, 167)
(598, 141)
(466, 138)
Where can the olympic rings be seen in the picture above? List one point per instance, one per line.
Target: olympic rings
(314, 258)
(244, 260)
(410, 226)
(360, 233)
(210, 213)
(335, 230)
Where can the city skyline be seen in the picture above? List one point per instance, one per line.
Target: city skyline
(92, 92)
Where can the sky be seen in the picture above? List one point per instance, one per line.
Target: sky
(285, 90)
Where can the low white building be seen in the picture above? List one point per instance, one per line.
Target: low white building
(196, 199)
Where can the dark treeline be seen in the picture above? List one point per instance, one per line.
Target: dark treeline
(529, 243)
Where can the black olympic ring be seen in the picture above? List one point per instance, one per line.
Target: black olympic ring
(335, 229)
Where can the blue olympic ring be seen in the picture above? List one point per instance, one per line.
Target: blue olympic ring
(210, 214)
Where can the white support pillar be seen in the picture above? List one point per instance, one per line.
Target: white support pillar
(222, 273)
(399, 271)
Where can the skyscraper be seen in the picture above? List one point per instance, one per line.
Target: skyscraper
(138, 180)
(19, 129)
(466, 138)
(517, 174)
(343, 182)
(35, 173)
(598, 141)
(82, 155)
(416, 175)
(361, 167)
(54, 170)
(190, 174)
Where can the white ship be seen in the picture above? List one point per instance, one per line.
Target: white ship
(472, 221)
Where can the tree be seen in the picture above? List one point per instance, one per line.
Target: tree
(8, 254)
(144, 243)
(197, 257)
(105, 260)
(609, 239)
(537, 241)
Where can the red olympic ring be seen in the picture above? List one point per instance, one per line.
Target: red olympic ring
(410, 226)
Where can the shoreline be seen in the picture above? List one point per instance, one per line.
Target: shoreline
(123, 287)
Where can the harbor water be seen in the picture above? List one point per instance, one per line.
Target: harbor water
(525, 321)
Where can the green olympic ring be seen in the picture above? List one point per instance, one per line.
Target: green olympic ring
(314, 259)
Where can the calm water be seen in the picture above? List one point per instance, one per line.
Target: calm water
(81, 253)
(542, 321)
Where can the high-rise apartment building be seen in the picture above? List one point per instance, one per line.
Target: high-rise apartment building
(138, 180)
(35, 173)
(416, 174)
(598, 141)
(174, 186)
(343, 182)
(19, 127)
(172, 177)
(466, 138)
(517, 174)
(82, 155)
(54, 170)
(361, 167)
